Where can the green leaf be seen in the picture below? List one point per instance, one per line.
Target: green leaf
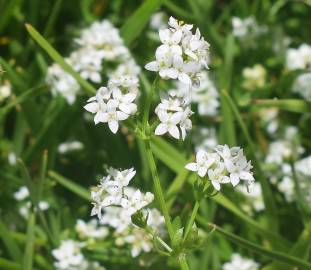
(274, 255)
(136, 23)
(28, 254)
(176, 224)
(10, 244)
(227, 129)
(291, 105)
(44, 44)
(177, 238)
(168, 154)
(75, 188)
(9, 265)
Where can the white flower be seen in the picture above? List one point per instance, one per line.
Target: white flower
(204, 161)
(113, 191)
(114, 103)
(287, 187)
(69, 146)
(157, 21)
(174, 117)
(137, 201)
(62, 83)
(238, 262)
(91, 229)
(182, 54)
(12, 159)
(21, 194)
(254, 77)
(217, 176)
(5, 90)
(223, 165)
(302, 85)
(68, 255)
(303, 166)
(105, 37)
(247, 28)
(205, 95)
(299, 58)
(254, 195)
(88, 62)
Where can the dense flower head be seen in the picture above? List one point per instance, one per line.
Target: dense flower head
(222, 165)
(182, 54)
(174, 115)
(238, 262)
(98, 44)
(105, 37)
(299, 58)
(112, 191)
(114, 103)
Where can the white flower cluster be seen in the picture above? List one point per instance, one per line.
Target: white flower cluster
(69, 257)
(111, 192)
(254, 77)
(302, 85)
(69, 146)
(248, 27)
(174, 115)
(91, 229)
(114, 103)
(5, 89)
(22, 195)
(98, 43)
(299, 58)
(182, 54)
(223, 165)
(238, 262)
(139, 240)
(205, 95)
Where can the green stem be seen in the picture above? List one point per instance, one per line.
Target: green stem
(148, 104)
(192, 218)
(183, 262)
(158, 189)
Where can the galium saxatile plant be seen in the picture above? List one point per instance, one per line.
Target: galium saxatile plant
(182, 57)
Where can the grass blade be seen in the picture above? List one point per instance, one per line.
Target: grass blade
(44, 44)
(10, 244)
(28, 254)
(136, 23)
(75, 188)
(9, 265)
(291, 105)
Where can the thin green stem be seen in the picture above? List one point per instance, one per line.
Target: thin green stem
(148, 104)
(158, 189)
(192, 218)
(183, 262)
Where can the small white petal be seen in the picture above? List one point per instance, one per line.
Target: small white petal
(161, 129)
(174, 131)
(114, 126)
(216, 185)
(91, 107)
(234, 178)
(152, 66)
(192, 166)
